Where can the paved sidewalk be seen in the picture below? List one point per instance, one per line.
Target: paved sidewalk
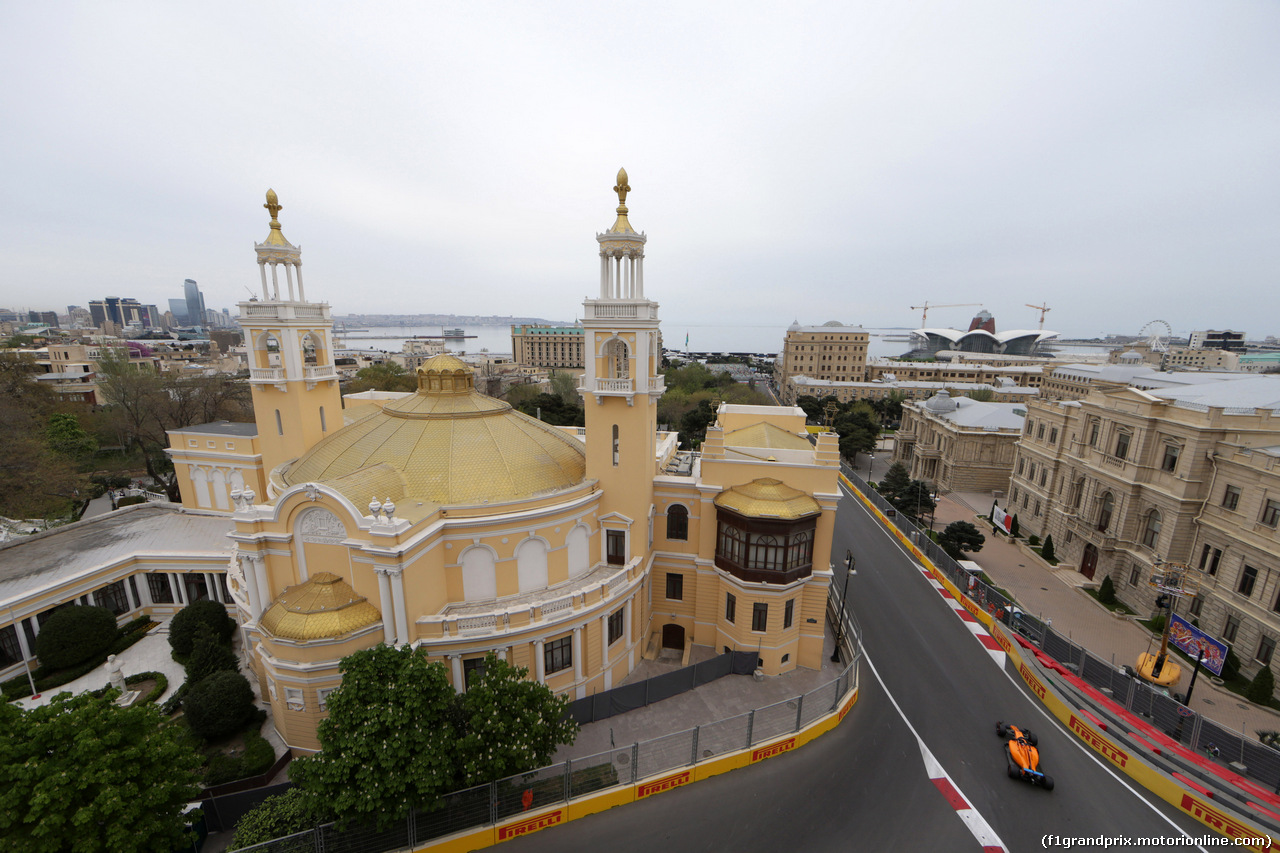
(1056, 596)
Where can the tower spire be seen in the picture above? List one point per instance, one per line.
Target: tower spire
(622, 226)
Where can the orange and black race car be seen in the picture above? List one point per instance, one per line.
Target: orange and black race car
(1022, 755)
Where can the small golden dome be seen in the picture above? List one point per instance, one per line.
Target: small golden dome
(622, 225)
(322, 608)
(446, 374)
(768, 498)
(273, 206)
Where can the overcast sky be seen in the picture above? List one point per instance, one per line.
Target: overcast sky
(1119, 161)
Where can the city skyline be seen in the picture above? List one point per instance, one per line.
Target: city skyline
(1112, 163)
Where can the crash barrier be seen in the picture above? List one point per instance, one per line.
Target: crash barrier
(484, 815)
(629, 697)
(1129, 696)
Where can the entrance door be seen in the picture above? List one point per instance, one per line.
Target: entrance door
(672, 636)
(1089, 563)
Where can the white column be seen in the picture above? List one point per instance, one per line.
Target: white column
(640, 277)
(288, 277)
(631, 276)
(604, 641)
(262, 268)
(617, 278)
(275, 283)
(385, 605)
(455, 662)
(173, 588)
(91, 598)
(22, 638)
(626, 622)
(264, 583)
(539, 663)
(251, 589)
(501, 653)
(397, 598)
(604, 275)
(211, 585)
(577, 653)
(297, 269)
(144, 590)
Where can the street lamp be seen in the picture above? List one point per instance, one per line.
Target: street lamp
(871, 457)
(849, 572)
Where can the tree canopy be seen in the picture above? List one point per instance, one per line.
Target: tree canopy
(36, 480)
(915, 500)
(856, 422)
(83, 774)
(387, 376)
(895, 482)
(398, 735)
(961, 536)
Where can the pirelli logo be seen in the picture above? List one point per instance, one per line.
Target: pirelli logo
(533, 824)
(774, 749)
(660, 785)
(847, 707)
(971, 607)
(1032, 682)
(1225, 824)
(1116, 756)
(1005, 642)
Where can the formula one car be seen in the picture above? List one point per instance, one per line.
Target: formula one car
(1022, 756)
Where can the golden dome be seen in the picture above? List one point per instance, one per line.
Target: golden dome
(768, 498)
(322, 608)
(446, 444)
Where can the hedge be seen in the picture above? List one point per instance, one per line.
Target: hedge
(74, 635)
(187, 621)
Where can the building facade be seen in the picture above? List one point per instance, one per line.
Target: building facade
(548, 346)
(832, 351)
(959, 444)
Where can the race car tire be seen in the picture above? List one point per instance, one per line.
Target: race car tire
(1014, 772)
(1031, 738)
(1047, 783)
(1001, 731)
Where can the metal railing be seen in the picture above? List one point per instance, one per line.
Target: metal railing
(1190, 728)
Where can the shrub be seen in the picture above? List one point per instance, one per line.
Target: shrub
(130, 500)
(1107, 590)
(275, 817)
(1262, 687)
(218, 705)
(74, 635)
(1046, 551)
(1033, 540)
(162, 684)
(182, 630)
(208, 656)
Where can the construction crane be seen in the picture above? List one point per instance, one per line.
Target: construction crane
(924, 309)
(1043, 309)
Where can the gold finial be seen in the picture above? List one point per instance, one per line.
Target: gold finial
(273, 207)
(622, 189)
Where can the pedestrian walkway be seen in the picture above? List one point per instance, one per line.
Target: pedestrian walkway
(1056, 596)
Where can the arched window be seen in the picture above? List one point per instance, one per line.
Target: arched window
(479, 578)
(279, 423)
(1104, 512)
(677, 522)
(267, 351)
(617, 361)
(310, 349)
(531, 565)
(579, 551)
(615, 445)
(1151, 530)
(323, 427)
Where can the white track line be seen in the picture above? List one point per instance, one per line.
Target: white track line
(1022, 688)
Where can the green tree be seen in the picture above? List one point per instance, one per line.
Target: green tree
(388, 743)
(1261, 687)
(74, 635)
(83, 774)
(812, 408)
(36, 482)
(387, 376)
(1046, 550)
(896, 481)
(859, 428)
(959, 537)
(187, 621)
(275, 817)
(693, 426)
(550, 409)
(565, 386)
(982, 395)
(218, 705)
(1107, 590)
(511, 724)
(1013, 527)
(209, 654)
(67, 437)
(915, 500)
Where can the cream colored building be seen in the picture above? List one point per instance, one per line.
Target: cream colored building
(803, 386)
(832, 351)
(1025, 375)
(548, 346)
(446, 520)
(959, 444)
(1187, 474)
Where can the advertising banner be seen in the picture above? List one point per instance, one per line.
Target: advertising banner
(1191, 640)
(1001, 518)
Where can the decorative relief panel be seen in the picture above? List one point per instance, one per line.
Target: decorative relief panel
(321, 526)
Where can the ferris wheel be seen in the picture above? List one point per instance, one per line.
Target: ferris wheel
(1157, 334)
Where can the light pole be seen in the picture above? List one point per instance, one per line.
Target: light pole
(844, 604)
(871, 457)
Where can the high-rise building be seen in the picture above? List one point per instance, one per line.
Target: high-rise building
(178, 308)
(47, 318)
(195, 303)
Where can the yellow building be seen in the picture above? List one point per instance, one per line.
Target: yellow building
(447, 520)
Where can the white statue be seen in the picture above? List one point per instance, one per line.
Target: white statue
(114, 673)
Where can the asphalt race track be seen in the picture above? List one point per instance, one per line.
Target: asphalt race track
(864, 786)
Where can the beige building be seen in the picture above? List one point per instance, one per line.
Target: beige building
(1025, 375)
(803, 386)
(832, 351)
(548, 346)
(1188, 474)
(959, 444)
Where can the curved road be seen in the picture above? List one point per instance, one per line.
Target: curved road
(863, 786)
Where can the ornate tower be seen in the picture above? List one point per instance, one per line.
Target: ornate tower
(296, 400)
(621, 386)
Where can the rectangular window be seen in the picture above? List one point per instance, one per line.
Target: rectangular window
(1215, 560)
(1122, 445)
(1229, 629)
(558, 654)
(1247, 579)
(730, 607)
(616, 547)
(1053, 436)
(1193, 606)
(112, 597)
(10, 649)
(759, 616)
(1135, 576)
(471, 666)
(615, 625)
(1044, 473)
(1170, 462)
(675, 586)
(1271, 513)
(1093, 434)
(1040, 430)
(158, 586)
(322, 697)
(789, 613)
(1231, 497)
(1266, 647)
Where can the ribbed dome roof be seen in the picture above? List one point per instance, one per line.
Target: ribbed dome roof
(446, 444)
(941, 403)
(768, 498)
(322, 608)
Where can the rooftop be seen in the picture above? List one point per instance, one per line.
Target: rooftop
(223, 428)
